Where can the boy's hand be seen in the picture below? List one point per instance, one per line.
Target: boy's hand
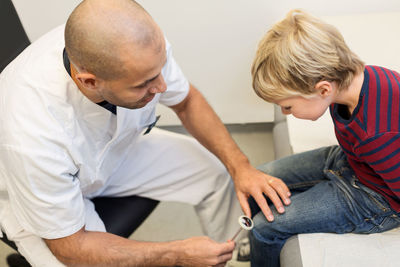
(252, 182)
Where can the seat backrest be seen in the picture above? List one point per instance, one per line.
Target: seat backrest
(12, 34)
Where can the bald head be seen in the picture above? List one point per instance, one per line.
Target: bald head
(102, 35)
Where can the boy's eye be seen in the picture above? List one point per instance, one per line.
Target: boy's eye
(287, 108)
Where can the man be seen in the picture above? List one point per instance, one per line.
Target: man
(75, 126)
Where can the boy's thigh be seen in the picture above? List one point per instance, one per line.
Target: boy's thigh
(301, 170)
(318, 209)
(327, 207)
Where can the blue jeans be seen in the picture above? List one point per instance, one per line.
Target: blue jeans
(326, 198)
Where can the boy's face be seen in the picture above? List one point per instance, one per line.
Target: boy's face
(310, 108)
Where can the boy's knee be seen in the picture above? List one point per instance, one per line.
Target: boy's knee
(265, 236)
(271, 232)
(263, 230)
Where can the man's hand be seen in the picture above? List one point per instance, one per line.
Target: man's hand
(85, 248)
(203, 251)
(252, 182)
(198, 118)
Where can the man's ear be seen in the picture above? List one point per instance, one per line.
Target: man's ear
(324, 88)
(87, 80)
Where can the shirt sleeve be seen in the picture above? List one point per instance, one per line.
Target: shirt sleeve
(43, 192)
(177, 84)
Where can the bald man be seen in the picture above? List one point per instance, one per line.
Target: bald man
(77, 111)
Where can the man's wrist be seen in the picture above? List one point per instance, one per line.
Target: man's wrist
(240, 163)
(175, 254)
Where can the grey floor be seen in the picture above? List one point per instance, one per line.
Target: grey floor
(255, 140)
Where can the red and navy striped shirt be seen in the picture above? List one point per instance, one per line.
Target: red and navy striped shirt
(371, 135)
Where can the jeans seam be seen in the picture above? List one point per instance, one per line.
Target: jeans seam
(380, 205)
(353, 184)
(304, 184)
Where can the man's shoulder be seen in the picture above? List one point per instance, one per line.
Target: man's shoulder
(38, 67)
(34, 87)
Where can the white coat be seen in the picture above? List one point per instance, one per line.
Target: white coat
(58, 147)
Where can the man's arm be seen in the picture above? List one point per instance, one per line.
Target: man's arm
(86, 248)
(201, 121)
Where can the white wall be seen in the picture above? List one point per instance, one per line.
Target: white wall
(374, 37)
(40, 16)
(214, 41)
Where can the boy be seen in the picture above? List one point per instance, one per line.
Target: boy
(304, 66)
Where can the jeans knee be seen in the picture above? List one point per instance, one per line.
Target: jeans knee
(261, 233)
(270, 232)
(259, 240)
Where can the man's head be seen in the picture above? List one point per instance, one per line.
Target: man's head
(297, 54)
(117, 52)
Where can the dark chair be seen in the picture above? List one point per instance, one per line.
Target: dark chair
(122, 215)
(14, 38)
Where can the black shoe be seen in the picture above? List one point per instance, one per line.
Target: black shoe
(17, 260)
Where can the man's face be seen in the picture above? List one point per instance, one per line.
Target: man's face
(141, 83)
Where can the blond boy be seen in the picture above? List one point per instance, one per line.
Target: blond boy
(304, 66)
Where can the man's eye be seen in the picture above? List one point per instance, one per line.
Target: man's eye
(287, 108)
(141, 86)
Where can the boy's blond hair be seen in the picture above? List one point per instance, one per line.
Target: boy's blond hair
(297, 53)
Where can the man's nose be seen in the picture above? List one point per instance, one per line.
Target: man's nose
(158, 86)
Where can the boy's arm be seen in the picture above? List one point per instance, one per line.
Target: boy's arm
(201, 121)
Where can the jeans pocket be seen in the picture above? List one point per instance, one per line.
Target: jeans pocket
(376, 210)
(379, 224)
(378, 204)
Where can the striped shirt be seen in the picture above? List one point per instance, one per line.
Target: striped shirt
(370, 136)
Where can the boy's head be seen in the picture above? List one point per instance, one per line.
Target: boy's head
(297, 53)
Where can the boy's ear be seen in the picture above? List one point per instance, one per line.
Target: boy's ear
(324, 88)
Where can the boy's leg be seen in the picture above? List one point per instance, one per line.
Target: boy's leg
(337, 204)
(299, 171)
